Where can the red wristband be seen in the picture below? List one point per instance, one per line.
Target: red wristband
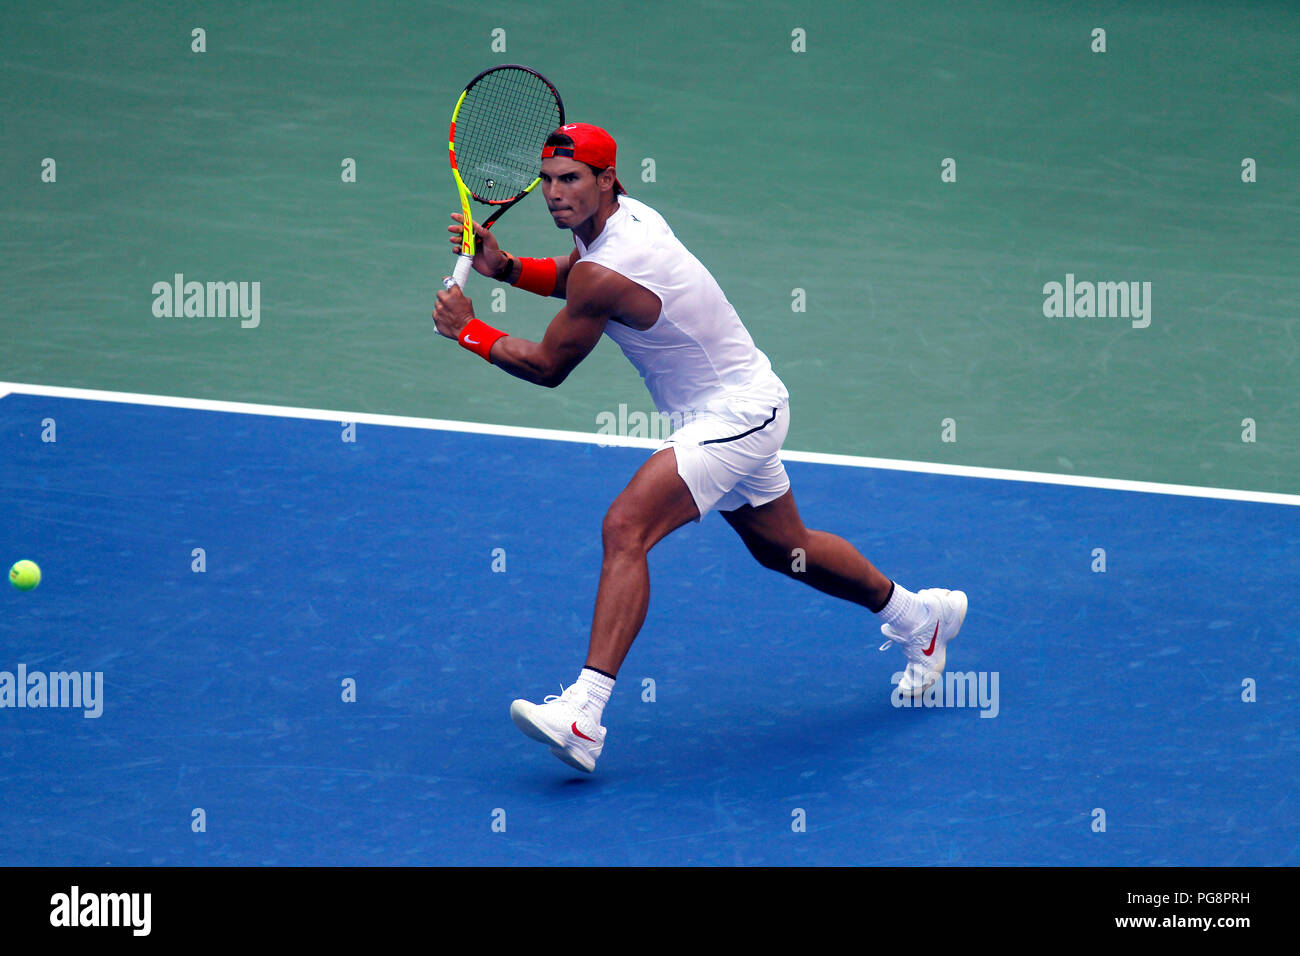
(537, 275)
(479, 337)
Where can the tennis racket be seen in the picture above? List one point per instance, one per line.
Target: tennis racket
(498, 129)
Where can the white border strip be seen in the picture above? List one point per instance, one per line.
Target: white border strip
(549, 434)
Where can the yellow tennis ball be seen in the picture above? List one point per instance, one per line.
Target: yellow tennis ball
(25, 575)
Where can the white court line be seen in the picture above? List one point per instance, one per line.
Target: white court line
(549, 434)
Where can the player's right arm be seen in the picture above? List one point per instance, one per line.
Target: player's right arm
(599, 295)
(569, 338)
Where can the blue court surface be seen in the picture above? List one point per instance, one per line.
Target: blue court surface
(373, 561)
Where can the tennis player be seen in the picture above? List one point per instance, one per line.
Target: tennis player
(630, 278)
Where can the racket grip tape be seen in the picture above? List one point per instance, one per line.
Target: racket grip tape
(463, 264)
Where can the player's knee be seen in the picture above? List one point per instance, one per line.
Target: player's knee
(769, 555)
(622, 530)
(791, 561)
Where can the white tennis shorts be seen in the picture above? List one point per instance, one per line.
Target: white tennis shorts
(728, 455)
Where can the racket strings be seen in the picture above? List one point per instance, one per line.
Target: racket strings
(500, 130)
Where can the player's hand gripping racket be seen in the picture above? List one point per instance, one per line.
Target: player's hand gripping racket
(498, 129)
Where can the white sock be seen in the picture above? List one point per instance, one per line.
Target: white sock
(905, 611)
(598, 688)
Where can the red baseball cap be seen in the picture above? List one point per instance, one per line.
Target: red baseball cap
(591, 145)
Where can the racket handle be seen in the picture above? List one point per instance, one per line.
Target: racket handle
(463, 264)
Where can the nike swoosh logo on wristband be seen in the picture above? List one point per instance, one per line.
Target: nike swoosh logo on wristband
(469, 341)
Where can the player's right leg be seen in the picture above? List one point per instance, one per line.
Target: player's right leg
(655, 503)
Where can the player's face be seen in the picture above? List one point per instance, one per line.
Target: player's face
(571, 191)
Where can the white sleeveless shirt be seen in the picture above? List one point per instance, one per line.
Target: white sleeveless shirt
(697, 353)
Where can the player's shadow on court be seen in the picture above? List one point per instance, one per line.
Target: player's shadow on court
(758, 738)
(562, 781)
(735, 742)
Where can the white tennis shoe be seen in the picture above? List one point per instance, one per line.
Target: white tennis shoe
(926, 648)
(563, 722)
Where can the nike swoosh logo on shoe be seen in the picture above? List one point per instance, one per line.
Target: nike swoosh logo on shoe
(933, 637)
(580, 733)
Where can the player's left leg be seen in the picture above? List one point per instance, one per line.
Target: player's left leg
(777, 538)
(922, 624)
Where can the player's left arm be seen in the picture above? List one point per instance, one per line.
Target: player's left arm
(593, 297)
(494, 262)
